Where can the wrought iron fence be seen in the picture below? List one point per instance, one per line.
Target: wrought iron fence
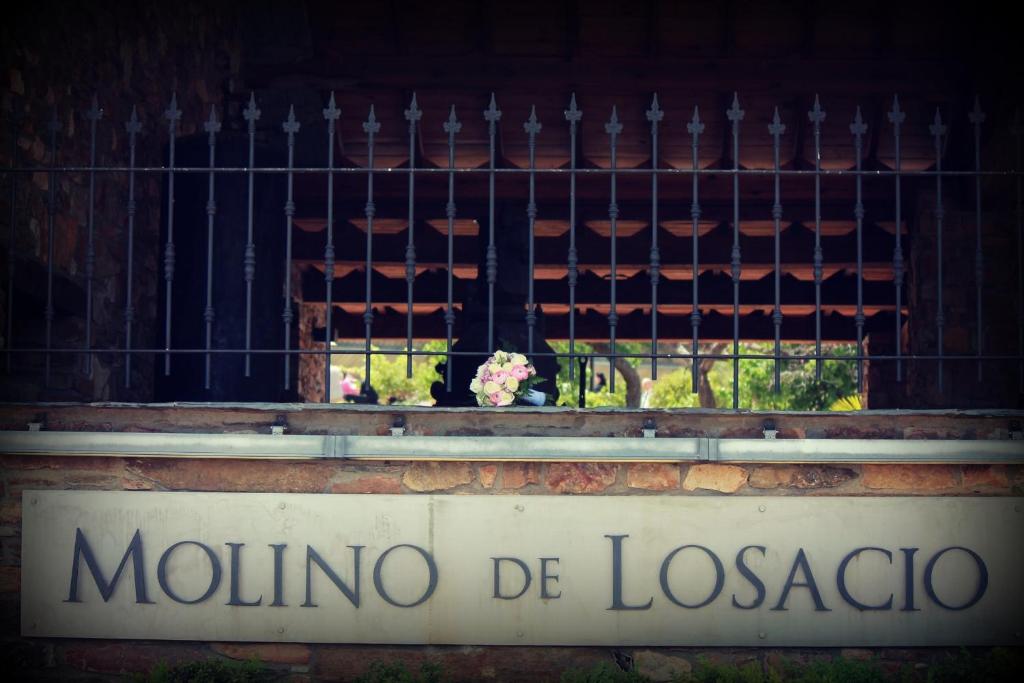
(656, 170)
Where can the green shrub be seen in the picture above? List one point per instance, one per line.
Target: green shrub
(396, 672)
(839, 671)
(208, 671)
(997, 665)
(603, 673)
(712, 672)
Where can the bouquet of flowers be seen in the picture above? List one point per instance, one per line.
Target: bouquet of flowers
(505, 377)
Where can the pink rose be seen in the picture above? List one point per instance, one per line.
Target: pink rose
(520, 372)
(499, 376)
(495, 398)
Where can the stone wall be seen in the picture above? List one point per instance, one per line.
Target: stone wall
(54, 58)
(68, 658)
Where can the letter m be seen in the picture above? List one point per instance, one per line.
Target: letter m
(84, 551)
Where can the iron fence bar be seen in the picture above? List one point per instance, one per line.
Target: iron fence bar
(695, 128)
(51, 210)
(1016, 131)
(938, 130)
(331, 114)
(452, 127)
(896, 118)
(532, 127)
(251, 115)
(492, 115)
(858, 128)
(573, 116)
(93, 115)
(212, 127)
(132, 127)
(735, 115)
(777, 128)
(613, 128)
(816, 115)
(290, 127)
(977, 117)
(654, 115)
(412, 115)
(371, 127)
(11, 233)
(173, 115)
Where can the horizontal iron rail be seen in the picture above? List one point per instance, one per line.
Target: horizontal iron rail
(537, 449)
(643, 171)
(540, 354)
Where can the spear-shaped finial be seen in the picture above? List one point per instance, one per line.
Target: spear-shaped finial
(331, 113)
(452, 125)
(251, 113)
(133, 124)
(695, 127)
(613, 127)
(977, 117)
(937, 129)
(816, 115)
(897, 115)
(370, 125)
(212, 125)
(291, 125)
(776, 127)
(858, 127)
(172, 112)
(532, 125)
(413, 113)
(573, 113)
(492, 113)
(734, 113)
(655, 114)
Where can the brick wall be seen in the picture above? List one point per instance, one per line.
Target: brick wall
(68, 658)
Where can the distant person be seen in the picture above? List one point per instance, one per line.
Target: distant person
(646, 390)
(600, 382)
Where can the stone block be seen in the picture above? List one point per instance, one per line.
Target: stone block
(910, 478)
(799, 476)
(574, 477)
(487, 474)
(437, 476)
(653, 476)
(235, 475)
(722, 478)
(516, 475)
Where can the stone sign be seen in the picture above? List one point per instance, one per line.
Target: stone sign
(523, 570)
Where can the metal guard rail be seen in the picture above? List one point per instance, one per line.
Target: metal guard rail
(537, 449)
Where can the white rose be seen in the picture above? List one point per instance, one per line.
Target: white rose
(475, 385)
(491, 387)
(518, 359)
(511, 383)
